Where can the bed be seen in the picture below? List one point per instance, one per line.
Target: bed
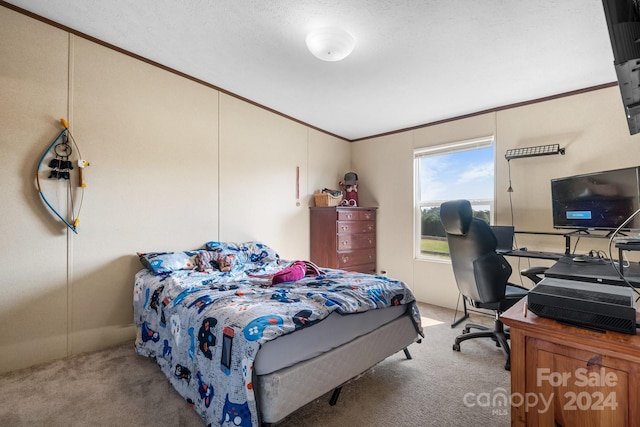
(244, 351)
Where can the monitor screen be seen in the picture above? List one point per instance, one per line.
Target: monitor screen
(596, 201)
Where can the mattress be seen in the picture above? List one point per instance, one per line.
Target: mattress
(332, 332)
(284, 391)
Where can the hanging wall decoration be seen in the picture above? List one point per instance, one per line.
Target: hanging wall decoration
(61, 154)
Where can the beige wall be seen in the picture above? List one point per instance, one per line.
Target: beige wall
(152, 140)
(261, 153)
(33, 257)
(173, 164)
(385, 179)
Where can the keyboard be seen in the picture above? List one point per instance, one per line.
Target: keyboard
(536, 254)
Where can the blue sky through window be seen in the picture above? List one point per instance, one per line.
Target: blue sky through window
(459, 175)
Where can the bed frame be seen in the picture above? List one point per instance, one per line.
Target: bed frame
(280, 393)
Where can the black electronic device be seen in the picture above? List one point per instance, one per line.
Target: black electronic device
(596, 201)
(623, 23)
(591, 305)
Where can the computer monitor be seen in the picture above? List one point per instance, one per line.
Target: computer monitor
(596, 201)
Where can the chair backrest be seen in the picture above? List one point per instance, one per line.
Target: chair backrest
(481, 274)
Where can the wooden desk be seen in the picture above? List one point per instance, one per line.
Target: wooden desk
(567, 376)
(594, 271)
(553, 256)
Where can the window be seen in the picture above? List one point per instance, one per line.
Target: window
(461, 170)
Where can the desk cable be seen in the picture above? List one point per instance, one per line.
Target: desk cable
(612, 261)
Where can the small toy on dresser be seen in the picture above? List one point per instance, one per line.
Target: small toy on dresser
(350, 188)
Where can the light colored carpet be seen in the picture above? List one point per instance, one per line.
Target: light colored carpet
(116, 387)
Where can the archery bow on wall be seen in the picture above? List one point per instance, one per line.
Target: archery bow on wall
(61, 154)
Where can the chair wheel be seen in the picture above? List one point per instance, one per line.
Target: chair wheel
(456, 347)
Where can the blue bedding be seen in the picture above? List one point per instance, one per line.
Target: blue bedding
(204, 329)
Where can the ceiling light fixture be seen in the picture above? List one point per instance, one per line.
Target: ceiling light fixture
(330, 44)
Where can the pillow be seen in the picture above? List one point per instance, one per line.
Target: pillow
(166, 262)
(229, 249)
(222, 246)
(254, 252)
(259, 252)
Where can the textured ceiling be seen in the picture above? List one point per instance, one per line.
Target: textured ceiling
(415, 61)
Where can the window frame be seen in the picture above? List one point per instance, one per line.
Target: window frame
(419, 204)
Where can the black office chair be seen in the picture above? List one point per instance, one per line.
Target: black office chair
(481, 274)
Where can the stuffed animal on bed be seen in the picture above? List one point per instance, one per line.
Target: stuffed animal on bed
(206, 261)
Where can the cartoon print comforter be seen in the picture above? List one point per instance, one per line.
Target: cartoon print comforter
(204, 329)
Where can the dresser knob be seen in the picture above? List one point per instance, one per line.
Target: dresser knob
(345, 259)
(345, 243)
(349, 216)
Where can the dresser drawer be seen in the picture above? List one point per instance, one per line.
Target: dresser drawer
(356, 215)
(348, 259)
(349, 227)
(356, 241)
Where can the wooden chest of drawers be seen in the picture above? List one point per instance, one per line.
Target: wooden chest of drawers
(344, 238)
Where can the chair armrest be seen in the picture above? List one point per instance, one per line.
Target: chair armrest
(535, 274)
